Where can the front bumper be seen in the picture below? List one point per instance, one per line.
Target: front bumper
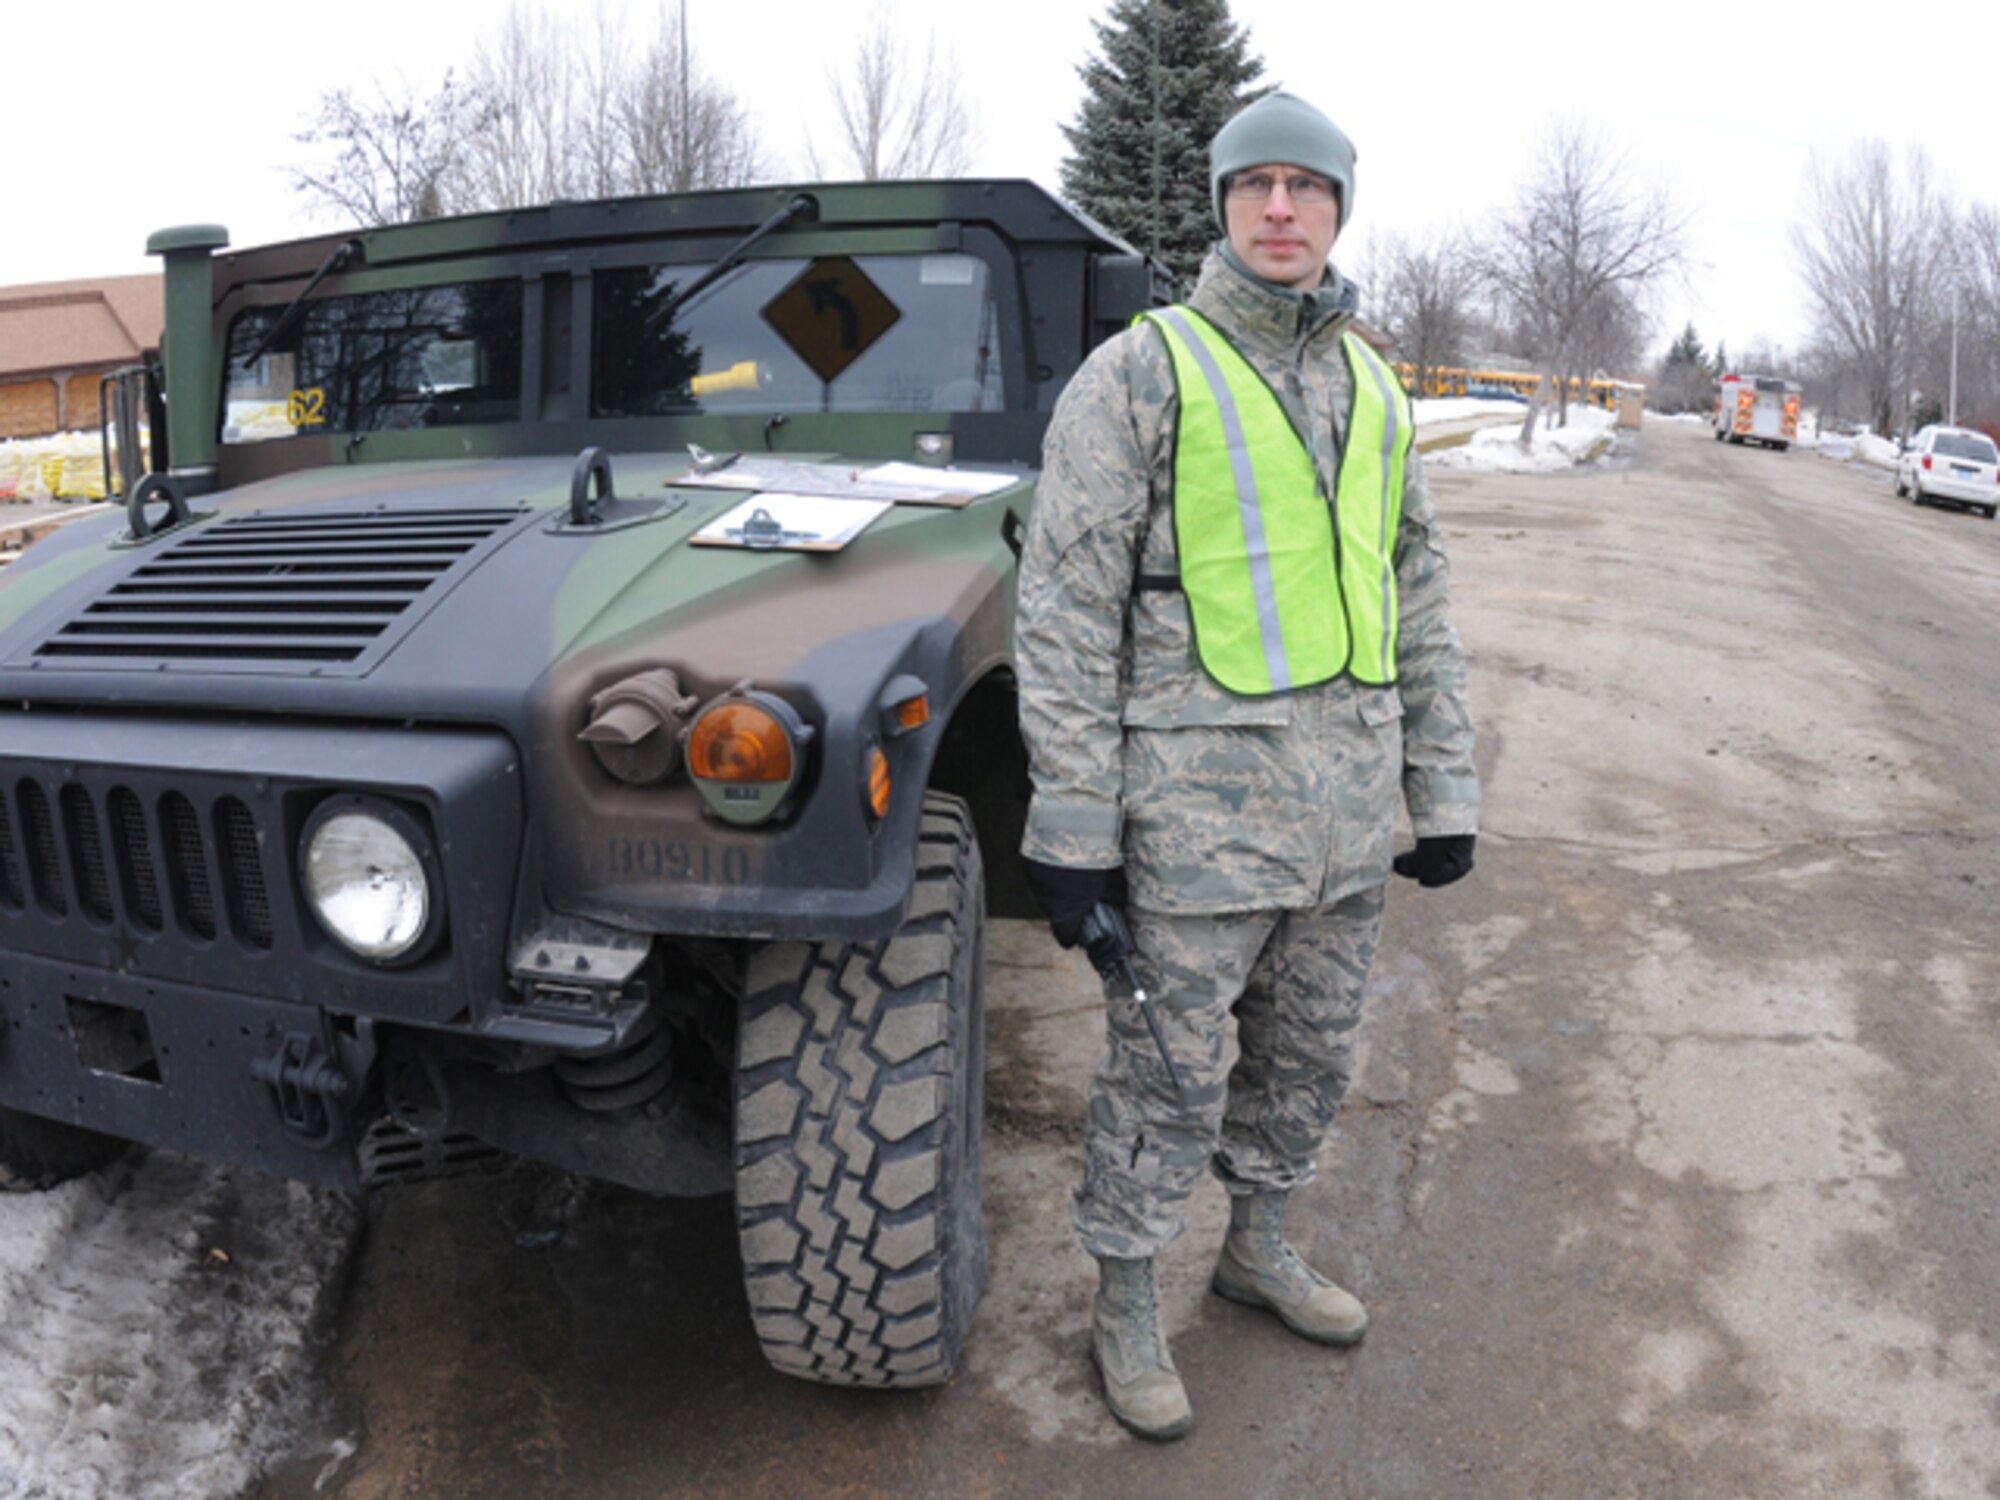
(175, 1066)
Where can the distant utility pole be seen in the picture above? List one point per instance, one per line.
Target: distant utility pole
(687, 126)
(1951, 411)
(1153, 244)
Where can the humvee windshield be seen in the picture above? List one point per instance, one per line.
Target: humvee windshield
(433, 356)
(866, 333)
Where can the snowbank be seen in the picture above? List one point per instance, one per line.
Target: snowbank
(1865, 448)
(1453, 408)
(156, 1320)
(1588, 436)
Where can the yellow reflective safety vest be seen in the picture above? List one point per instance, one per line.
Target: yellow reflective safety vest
(1284, 590)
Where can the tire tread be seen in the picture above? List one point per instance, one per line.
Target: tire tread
(858, 1274)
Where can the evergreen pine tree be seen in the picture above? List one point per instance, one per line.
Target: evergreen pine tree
(1204, 74)
(1687, 349)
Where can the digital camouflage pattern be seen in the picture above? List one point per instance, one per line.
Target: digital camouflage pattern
(1295, 981)
(1256, 833)
(1213, 802)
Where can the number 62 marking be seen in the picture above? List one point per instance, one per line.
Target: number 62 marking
(306, 408)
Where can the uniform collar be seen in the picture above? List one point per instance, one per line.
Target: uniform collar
(1230, 295)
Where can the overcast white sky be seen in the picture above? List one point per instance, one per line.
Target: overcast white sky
(125, 117)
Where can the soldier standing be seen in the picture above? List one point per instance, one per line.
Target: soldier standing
(1235, 651)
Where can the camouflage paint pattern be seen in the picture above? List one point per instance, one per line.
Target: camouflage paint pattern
(1213, 802)
(526, 639)
(1294, 981)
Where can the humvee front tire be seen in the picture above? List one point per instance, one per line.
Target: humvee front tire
(37, 1154)
(858, 1102)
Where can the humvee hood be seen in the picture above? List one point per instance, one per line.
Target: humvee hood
(452, 590)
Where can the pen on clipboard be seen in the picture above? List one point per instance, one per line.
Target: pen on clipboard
(707, 463)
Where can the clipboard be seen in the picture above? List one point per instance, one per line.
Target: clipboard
(782, 522)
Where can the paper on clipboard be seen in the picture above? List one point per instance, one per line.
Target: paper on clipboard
(971, 483)
(903, 483)
(780, 522)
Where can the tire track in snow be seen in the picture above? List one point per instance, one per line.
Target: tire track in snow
(157, 1321)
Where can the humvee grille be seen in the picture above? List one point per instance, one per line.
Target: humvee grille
(116, 860)
(86, 853)
(38, 826)
(243, 873)
(187, 865)
(10, 873)
(135, 858)
(318, 589)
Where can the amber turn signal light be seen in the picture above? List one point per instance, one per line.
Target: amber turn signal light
(740, 741)
(878, 782)
(745, 752)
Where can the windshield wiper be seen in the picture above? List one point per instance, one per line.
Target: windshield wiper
(804, 206)
(295, 312)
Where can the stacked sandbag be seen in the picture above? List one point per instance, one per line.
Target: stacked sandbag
(68, 466)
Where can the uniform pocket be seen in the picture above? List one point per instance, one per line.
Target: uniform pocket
(1378, 706)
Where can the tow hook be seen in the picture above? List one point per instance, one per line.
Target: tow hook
(308, 1088)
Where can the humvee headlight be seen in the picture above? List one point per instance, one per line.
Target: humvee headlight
(367, 878)
(744, 753)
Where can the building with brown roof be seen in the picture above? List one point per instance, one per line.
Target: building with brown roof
(58, 338)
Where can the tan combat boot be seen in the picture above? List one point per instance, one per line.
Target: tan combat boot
(1140, 1383)
(1258, 1269)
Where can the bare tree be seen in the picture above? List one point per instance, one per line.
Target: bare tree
(1424, 298)
(526, 74)
(1872, 250)
(1577, 250)
(902, 114)
(550, 108)
(1979, 314)
(395, 156)
(678, 129)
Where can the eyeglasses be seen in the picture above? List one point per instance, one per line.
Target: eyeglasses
(1255, 187)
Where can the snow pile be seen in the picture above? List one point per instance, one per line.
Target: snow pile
(155, 1326)
(1678, 416)
(1588, 436)
(1454, 408)
(1878, 451)
(1866, 447)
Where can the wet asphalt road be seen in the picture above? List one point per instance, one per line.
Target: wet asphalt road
(1671, 1166)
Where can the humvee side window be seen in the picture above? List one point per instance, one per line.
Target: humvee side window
(434, 356)
(920, 334)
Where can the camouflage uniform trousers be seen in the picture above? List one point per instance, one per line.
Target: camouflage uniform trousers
(1294, 980)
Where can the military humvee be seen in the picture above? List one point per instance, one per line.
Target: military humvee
(550, 693)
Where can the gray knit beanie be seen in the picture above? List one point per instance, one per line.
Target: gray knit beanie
(1282, 128)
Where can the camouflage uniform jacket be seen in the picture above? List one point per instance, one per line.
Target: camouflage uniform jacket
(1212, 801)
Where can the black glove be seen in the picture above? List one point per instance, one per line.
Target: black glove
(1067, 895)
(1437, 861)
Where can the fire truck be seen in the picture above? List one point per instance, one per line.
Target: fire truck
(1757, 409)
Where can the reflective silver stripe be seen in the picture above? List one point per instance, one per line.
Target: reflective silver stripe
(1389, 435)
(1247, 506)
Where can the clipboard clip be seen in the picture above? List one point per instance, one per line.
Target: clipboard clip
(763, 531)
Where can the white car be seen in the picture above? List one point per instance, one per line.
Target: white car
(1951, 463)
